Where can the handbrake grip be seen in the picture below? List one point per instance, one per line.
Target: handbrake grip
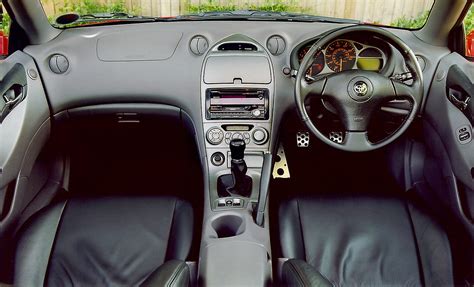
(264, 188)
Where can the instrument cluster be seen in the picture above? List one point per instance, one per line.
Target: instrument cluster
(341, 55)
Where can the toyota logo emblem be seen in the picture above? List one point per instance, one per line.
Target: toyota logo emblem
(361, 88)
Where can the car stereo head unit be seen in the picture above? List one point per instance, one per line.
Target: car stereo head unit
(237, 104)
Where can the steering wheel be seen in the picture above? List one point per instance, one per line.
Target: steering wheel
(356, 94)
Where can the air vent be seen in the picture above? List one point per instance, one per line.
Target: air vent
(422, 62)
(198, 45)
(59, 64)
(237, 47)
(276, 45)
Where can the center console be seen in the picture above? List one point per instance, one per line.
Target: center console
(237, 98)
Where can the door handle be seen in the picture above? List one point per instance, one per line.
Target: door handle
(11, 98)
(460, 90)
(460, 101)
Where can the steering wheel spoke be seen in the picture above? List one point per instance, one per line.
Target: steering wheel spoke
(357, 141)
(402, 90)
(313, 88)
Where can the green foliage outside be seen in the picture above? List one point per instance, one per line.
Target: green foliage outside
(92, 6)
(469, 20)
(411, 23)
(5, 23)
(270, 6)
(418, 22)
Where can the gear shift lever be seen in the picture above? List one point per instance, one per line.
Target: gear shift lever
(237, 183)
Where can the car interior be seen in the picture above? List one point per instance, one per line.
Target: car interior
(241, 148)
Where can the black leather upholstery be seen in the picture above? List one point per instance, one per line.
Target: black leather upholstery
(172, 273)
(363, 241)
(107, 241)
(297, 272)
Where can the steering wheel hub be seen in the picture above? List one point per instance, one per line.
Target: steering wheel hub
(360, 89)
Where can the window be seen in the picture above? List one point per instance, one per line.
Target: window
(4, 31)
(469, 32)
(403, 14)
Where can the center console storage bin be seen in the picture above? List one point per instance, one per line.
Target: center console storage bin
(227, 262)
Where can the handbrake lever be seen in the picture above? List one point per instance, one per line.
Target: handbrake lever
(264, 188)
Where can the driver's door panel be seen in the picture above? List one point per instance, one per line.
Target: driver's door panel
(24, 129)
(447, 120)
(449, 162)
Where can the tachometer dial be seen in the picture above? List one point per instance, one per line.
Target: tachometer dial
(318, 63)
(340, 55)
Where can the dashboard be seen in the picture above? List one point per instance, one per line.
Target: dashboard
(344, 54)
(151, 63)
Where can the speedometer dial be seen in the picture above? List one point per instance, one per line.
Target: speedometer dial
(340, 55)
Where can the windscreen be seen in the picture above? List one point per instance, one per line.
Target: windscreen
(409, 14)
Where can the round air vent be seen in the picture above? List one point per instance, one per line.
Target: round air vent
(198, 45)
(276, 45)
(422, 62)
(58, 63)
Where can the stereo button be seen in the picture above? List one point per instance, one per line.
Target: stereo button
(256, 113)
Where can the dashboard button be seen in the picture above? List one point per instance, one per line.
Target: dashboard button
(260, 136)
(237, 136)
(256, 113)
(217, 158)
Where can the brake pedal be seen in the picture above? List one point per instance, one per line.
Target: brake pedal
(336, 137)
(302, 139)
(280, 168)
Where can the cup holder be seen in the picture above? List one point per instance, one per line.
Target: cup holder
(228, 226)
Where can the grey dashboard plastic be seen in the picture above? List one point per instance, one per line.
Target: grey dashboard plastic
(147, 47)
(174, 80)
(252, 69)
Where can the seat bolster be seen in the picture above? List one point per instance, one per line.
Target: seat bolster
(170, 274)
(291, 235)
(433, 247)
(297, 272)
(181, 233)
(35, 244)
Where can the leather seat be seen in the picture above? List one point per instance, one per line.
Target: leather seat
(362, 241)
(107, 241)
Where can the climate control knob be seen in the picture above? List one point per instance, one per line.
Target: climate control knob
(260, 136)
(215, 136)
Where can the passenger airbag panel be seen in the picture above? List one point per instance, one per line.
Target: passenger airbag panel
(127, 46)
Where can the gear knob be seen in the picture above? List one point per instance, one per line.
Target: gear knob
(237, 149)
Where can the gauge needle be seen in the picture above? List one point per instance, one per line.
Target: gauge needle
(340, 65)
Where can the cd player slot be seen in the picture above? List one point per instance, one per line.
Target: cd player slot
(237, 104)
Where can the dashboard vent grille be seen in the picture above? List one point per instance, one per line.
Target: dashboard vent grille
(276, 45)
(237, 47)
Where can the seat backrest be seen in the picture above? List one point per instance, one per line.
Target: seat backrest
(102, 241)
(361, 240)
